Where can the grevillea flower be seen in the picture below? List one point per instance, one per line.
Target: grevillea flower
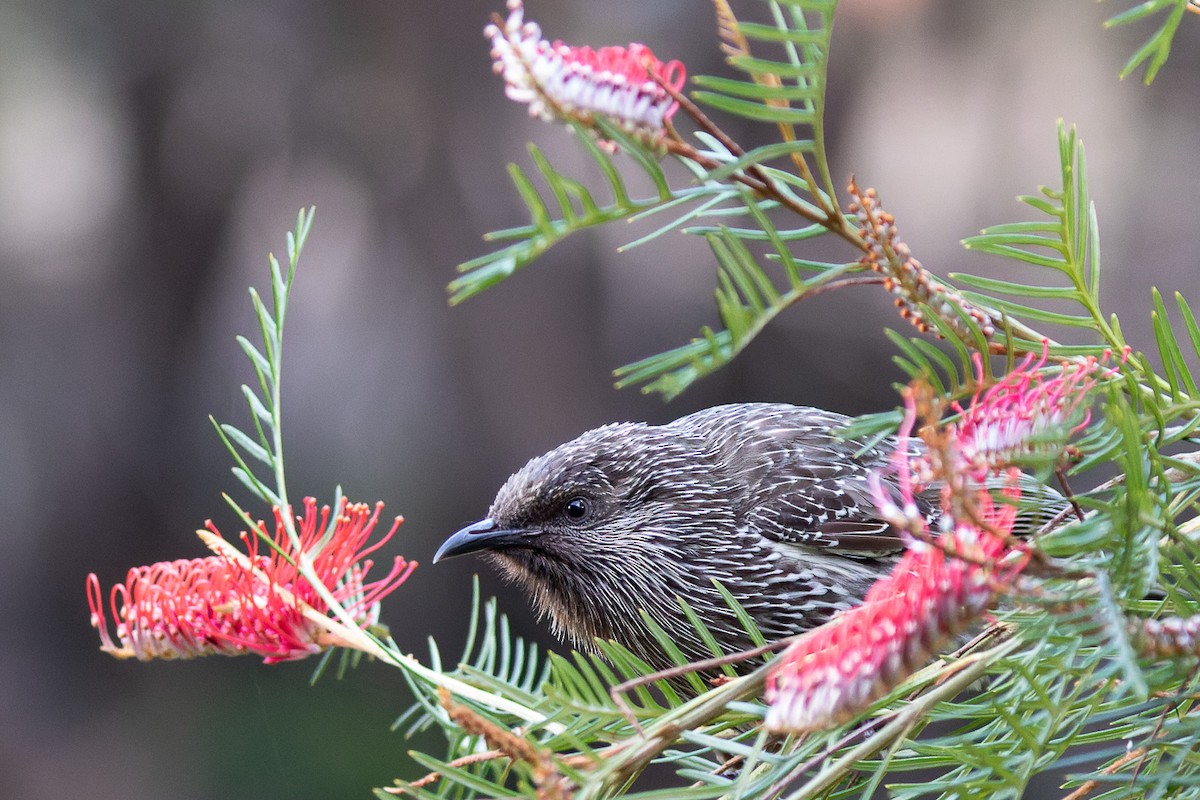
(910, 283)
(939, 587)
(558, 81)
(231, 604)
(1027, 416)
(834, 671)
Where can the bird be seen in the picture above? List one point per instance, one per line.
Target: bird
(765, 499)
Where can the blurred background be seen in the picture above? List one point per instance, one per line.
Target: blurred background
(151, 154)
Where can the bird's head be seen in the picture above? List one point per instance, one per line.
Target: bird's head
(602, 526)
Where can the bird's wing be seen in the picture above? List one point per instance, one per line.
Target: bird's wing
(867, 538)
(806, 487)
(834, 514)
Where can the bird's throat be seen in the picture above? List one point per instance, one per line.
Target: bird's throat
(555, 597)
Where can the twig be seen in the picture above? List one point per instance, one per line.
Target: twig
(997, 630)
(632, 755)
(1055, 521)
(831, 217)
(753, 176)
(723, 768)
(356, 638)
(617, 693)
(858, 732)
(551, 783)
(1061, 474)
(693, 111)
(1138, 754)
(463, 761)
(1087, 787)
(861, 280)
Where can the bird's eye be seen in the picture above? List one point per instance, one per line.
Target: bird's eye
(577, 508)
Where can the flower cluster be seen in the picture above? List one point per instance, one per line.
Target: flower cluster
(1027, 416)
(911, 284)
(231, 604)
(836, 670)
(943, 583)
(558, 81)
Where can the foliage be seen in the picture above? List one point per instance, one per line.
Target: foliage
(1153, 53)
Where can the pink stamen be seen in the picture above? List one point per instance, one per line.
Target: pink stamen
(1028, 414)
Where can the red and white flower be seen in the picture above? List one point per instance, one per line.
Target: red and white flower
(942, 584)
(230, 604)
(933, 593)
(562, 82)
(1027, 416)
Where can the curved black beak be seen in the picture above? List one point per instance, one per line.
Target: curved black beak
(481, 535)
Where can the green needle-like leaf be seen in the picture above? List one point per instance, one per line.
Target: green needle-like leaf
(1154, 52)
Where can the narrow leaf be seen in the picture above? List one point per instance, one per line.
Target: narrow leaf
(251, 447)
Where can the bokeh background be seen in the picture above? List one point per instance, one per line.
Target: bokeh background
(151, 154)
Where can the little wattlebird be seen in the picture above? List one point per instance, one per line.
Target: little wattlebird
(765, 499)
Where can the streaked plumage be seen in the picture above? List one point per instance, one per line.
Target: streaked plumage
(764, 498)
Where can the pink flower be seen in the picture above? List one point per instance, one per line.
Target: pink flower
(940, 586)
(836, 670)
(1027, 416)
(229, 604)
(573, 83)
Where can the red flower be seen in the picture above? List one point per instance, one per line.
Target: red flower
(836, 670)
(230, 604)
(940, 586)
(1027, 416)
(573, 83)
